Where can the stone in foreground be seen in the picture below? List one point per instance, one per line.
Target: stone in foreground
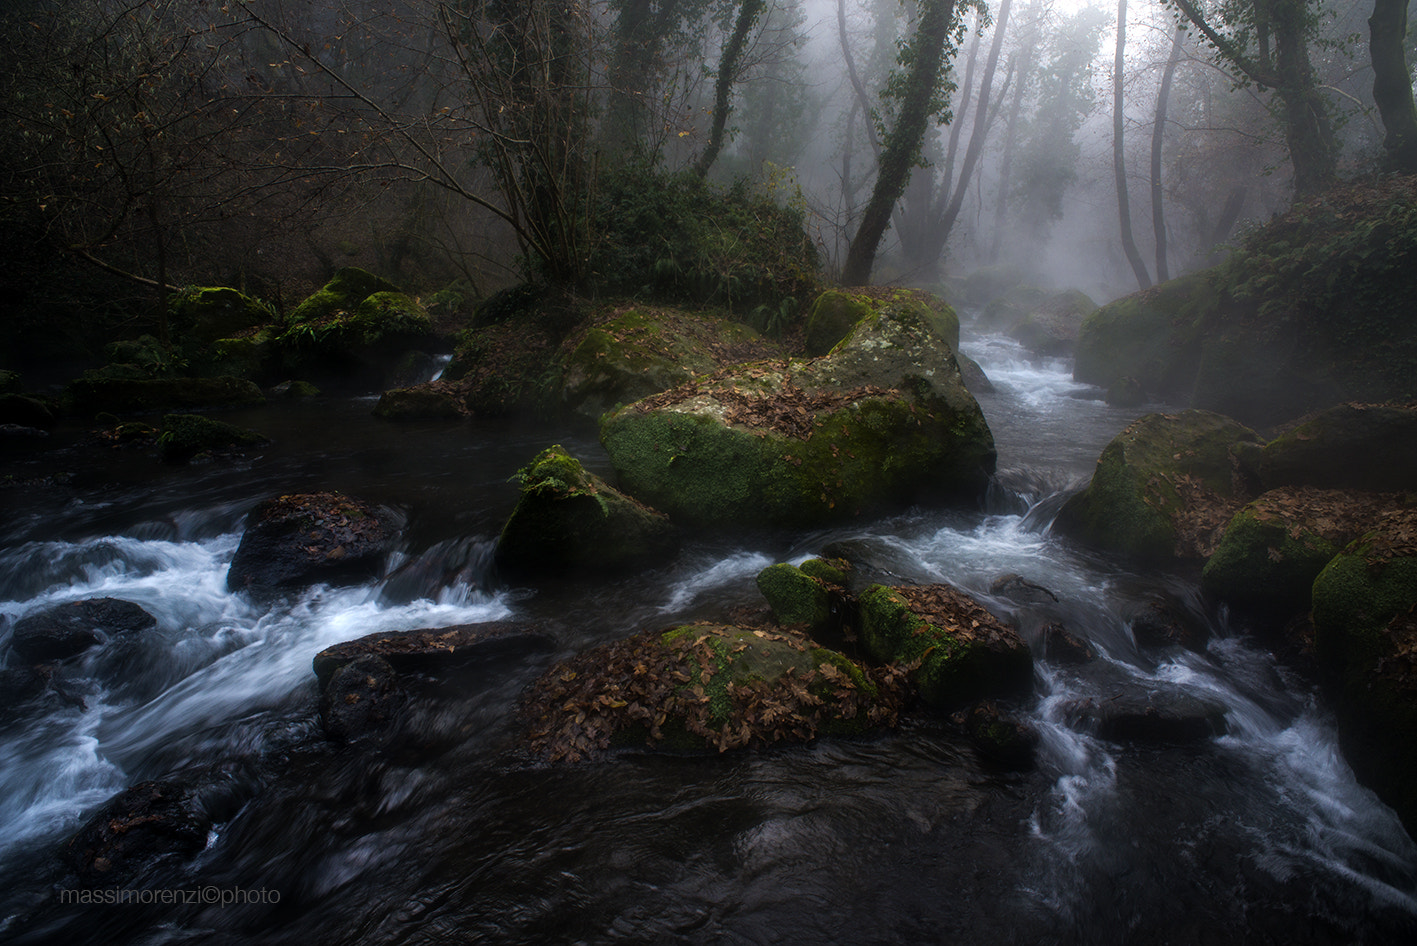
(301, 539)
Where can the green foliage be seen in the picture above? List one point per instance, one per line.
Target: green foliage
(675, 238)
(151, 357)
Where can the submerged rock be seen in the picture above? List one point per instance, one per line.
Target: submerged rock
(435, 650)
(148, 822)
(302, 539)
(884, 420)
(1001, 736)
(1163, 489)
(959, 650)
(69, 629)
(703, 686)
(569, 519)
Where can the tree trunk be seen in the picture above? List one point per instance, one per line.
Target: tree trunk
(902, 145)
(1158, 134)
(728, 66)
(1119, 164)
(1392, 85)
(1006, 163)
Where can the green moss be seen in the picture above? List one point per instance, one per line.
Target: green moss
(832, 318)
(203, 314)
(1353, 599)
(343, 293)
(1149, 334)
(833, 571)
(1266, 563)
(794, 596)
(185, 436)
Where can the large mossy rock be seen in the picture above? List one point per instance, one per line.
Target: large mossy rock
(304, 538)
(883, 420)
(186, 436)
(1163, 487)
(203, 314)
(570, 520)
(1349, 446)
(1052, 327)
(357, 325)
(837, 312)
(433, 400)
(85, 397)
(1365, 636)
(703, 686)
(810, 595)
(1275, 547)
(1312, 310)
(628, 354)
(960, 651)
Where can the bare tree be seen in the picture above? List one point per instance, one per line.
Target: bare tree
(1119, 162)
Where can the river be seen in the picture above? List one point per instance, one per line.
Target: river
(450, 834)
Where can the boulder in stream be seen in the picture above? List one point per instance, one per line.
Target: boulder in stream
(69, 629)
(432, 400)
(1137, 713)
(703, 686)
(360, 698)
(570, 520)
(884, 420)
(1371, 447)
(150, 821)
(187, 436)
(959, 651)
(304, 538)
(1001, 736)
(1164, 487)
(435, 650)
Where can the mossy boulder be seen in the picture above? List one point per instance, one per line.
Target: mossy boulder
(1275, 547)
(1163, 488)
(703, 686)
(85, 397)
(631, 353)
(203, 314)
(1365, 635)
(1052, 327)
(1349, 446)
(356, 325)
(186, 436)
(343, 293)
(832, 317)
(837, 312)
(436, 400)
(884, 420)
(570, 520)
(255, 356)
(304, 538)
(960, 652)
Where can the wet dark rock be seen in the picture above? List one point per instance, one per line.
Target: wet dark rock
(435, 650)
(20, 685)
(973, 374)
(69, 629)
(293, 390)
(434, 400)
(25, 411)
(1061, 646)
(1167, 623)
(1001, 736)
(1135, 713)
(150, 821)
(1020, 589)
(361, 697)
(306, 538)
(1352, 446)
(19, 432)
(1126, 392)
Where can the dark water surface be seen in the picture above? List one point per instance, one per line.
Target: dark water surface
(448, 835)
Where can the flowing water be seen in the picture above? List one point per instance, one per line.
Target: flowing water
(448, 834)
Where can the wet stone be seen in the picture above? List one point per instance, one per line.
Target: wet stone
(70, 629)
(362, 697)
(150, 821)
(433, 650)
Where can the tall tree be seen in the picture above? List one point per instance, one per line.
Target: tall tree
(728, 67)
(920, 98)
(1392, 84)
(1266, 42)
(1158, 138)
(1119, 155)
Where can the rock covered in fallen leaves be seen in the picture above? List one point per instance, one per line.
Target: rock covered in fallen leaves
(435, 650)
(1370, 447)
(570, 520)
(1164, 488)
(69, 629)
(704, 686)
(1365, 636)
(360, 698)
(884, 420)
(959, 652)
(304, 538)
(150, 821)
(1275, 547)
(631, 353)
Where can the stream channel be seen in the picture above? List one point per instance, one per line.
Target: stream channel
(450, 835)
